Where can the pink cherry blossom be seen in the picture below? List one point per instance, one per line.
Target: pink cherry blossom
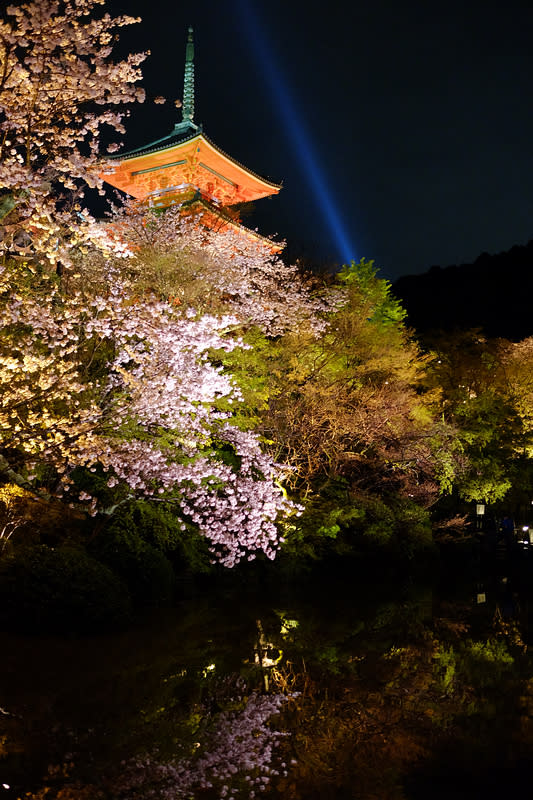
(149, 418)
(58, 89)
(238, 758)
(255, 284)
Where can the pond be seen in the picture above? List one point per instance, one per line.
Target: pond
(350, 686)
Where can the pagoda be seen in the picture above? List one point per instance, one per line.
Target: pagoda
(185, 167)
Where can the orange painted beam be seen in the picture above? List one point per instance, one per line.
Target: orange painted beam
(196, 162)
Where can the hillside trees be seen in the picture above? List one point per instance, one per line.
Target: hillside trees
(189, 365)
(346, 410)
(331, 377)
(486, 393)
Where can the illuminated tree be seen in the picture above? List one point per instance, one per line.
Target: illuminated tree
(346, 410)
(58, 88)
(349, 403)
(112, 384)
(518, 370)
(486, 395)
(173, 256)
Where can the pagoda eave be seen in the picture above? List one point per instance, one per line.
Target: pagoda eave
(195, 161)
(214, 219)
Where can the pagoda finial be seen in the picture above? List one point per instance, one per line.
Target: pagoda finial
(187, 113)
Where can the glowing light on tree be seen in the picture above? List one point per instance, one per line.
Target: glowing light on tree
(148, 416)
(58, 88)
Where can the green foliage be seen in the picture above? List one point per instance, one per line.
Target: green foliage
(250, 368)
(488, 479)
(383, 309)
(348, 404)
(447, 450)
(344, 410)
(445, 660)
(398, 525)
(94, 482)
(480, 664)
(146, 571)
(63, 589)
(413, 528)
(160, 527)
(485, 395)
(484, 663)
(147, 544)
(317, 532)
(27, 278)
(336, 522)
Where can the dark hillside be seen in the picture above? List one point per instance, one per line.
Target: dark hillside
(494, 293)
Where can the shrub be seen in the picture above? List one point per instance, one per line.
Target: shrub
(63, 589)
(161, 527)
(485, 663)
(146, 571)
(413, 526)
(343, 523)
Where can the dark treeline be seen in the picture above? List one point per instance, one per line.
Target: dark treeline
(495, 293)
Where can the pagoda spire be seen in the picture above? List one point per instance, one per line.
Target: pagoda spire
(187, 109)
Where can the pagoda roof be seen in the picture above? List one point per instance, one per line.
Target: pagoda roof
(177, 138)
(185, 167)
(187, 157)
(172, 139)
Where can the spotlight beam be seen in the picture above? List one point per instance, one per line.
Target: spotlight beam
(300, 139)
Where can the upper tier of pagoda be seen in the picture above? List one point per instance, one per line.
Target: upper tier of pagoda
(163, 170)
(186, 165)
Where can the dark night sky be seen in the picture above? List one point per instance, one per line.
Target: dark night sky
(413, 120)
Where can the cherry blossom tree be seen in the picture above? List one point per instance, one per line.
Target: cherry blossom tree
(172, 255)
(126, 387)
(115, 377)
(58, 88)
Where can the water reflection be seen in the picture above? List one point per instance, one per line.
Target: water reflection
(339, 689)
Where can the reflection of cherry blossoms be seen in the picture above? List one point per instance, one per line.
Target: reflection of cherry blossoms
(238, 759)
(128, 387)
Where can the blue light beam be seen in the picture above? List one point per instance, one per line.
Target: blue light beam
(300, 138)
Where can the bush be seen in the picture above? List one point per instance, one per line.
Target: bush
(161, 527)
(64, 589)
(319, 532)
(413, 527)
(343, 524)
(146, 571)
(485, 663)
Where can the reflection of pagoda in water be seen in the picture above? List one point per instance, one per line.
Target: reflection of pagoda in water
(186, 167)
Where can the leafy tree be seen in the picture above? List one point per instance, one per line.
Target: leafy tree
(347, 412)
(348, 403)
(486, 395)
(112, 384)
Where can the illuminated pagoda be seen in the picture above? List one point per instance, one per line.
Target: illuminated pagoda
(187, 168)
